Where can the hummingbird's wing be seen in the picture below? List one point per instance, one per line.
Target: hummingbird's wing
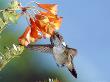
(70, 67)
(46, 48)
(72, 51)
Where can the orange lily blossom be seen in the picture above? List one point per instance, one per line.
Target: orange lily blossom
(43, 24)
(34, 31)
(25, 38)
(53, 18)
(48, 14)
(57, 23)
(52, 8)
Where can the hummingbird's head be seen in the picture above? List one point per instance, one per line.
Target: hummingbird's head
(57, 39)
(56, 35)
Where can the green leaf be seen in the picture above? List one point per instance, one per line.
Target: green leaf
(14, 5)
(2, 25)
(13, 17)
(10, 53)
(10, 16)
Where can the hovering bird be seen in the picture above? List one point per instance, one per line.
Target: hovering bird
(61, 52)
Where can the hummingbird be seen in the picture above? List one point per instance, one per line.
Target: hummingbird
(62, 54)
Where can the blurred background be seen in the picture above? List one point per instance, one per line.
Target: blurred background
(86, 27)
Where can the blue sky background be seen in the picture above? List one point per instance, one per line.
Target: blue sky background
(86, 27)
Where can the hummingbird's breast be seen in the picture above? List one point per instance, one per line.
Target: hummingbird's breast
(59, 55)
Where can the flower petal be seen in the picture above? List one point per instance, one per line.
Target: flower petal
(34, 30)
(57, 23)
(48, 14)
(25, 38)
(49, 7)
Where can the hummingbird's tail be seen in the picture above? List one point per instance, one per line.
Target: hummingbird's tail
(73, 72)
(70, 66)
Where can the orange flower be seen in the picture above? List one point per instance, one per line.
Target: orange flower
(48, 23)
(48, 14)
(25, 38)
(34, 31)
(48, 30)
(33, 24)
(42, 18)
(57, 23)
(53, 19)
(52, 8)
(43, 24)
